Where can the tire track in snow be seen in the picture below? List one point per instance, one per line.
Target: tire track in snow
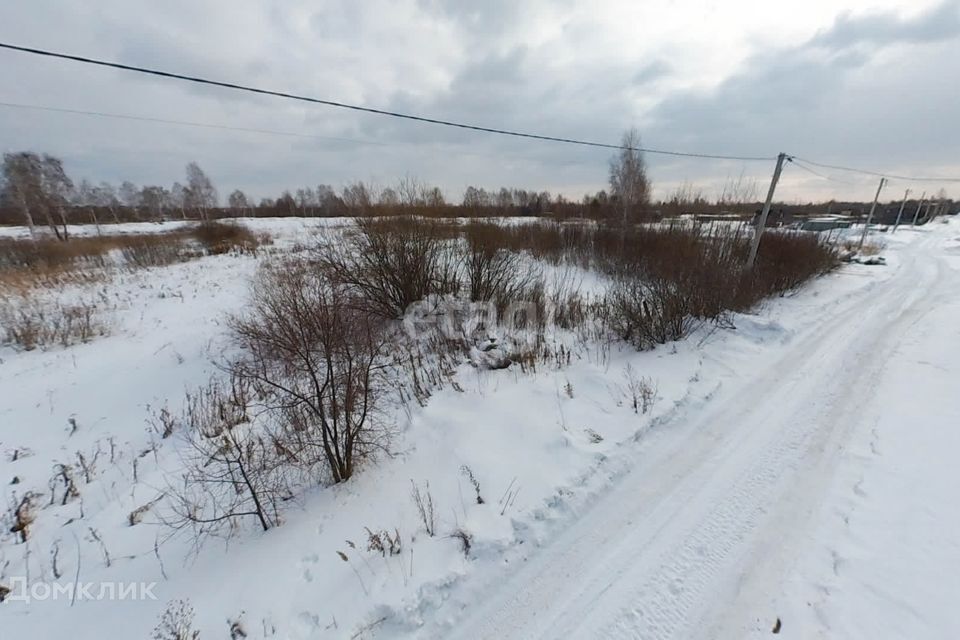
(641, 562)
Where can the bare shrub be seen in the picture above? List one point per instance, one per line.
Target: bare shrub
(423, 500)
(787, 260)
(316, 359)
(494, 273)
(232, 470)
(225, 237)
(176, 622)
(642, 391)
(667, 278)
(649, 311)
(390, 264)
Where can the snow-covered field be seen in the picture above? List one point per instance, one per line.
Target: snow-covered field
(796, 467)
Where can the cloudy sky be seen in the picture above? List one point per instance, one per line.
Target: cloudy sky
(868, 83)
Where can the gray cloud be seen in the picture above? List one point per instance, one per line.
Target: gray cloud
(868, 88)
(884, 29)
(873, 108)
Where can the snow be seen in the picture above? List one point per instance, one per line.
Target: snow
(797, 466)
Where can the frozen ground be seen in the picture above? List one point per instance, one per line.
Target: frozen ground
(797, 467)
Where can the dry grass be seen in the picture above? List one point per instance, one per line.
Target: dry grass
(29, 324)
(26, 263)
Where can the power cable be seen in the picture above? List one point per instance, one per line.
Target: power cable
(273, 132)
(877, 173)
(446, 123)
(382, 112)
(800, 165)
(187, 123)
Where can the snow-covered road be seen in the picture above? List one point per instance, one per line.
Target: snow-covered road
(729, 518)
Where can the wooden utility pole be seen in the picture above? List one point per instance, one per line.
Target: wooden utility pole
(873, 207)
(762, 222)
(900, 213)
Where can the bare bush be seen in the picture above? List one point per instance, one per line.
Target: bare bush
(390, 264)
(232, 469)
(316, 359)
(495, 273)
(642, 391)
(225, 237)
(647, 311)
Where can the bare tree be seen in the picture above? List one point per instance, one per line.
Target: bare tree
(305, 200)
(357, 196)
(410, 191)
(39, 184)
(388, 197)
(154, 200)
(434, 197)
(201, 194)
(628, 177)
(106, 197)
(129, 194)
(327, 200)
(476, 199)
(238, 202)
(504, 200)
(179, 199)
(57, 191)
(85, 197)
(738, 192)
(21, 173)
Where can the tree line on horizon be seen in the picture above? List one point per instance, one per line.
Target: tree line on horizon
(36, 190)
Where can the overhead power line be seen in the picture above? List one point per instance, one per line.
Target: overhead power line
(272, 132)
(415, 118)
(877, 174)
(187, 123)
(382, 112)
(795, 162)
